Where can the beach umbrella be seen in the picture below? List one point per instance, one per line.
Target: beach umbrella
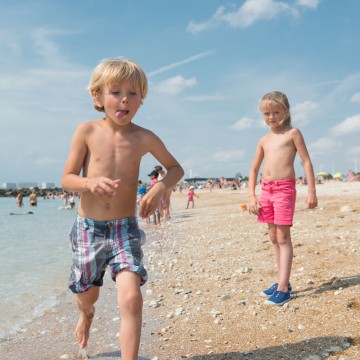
(323, 173)
(338, 175)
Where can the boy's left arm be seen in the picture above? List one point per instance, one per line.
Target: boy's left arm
(174, 172)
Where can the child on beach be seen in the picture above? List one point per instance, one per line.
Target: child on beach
(277, 151)
(191, 195)
(108, 152)
(165, 201)
(153, 180)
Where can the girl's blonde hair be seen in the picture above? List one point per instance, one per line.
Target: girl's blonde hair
(278, 98)
(111, 72)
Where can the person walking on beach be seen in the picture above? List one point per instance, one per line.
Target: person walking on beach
(108, 152)
(153, 180)
(140, 192)
(165, 201)
(191, 195)
(277, 151)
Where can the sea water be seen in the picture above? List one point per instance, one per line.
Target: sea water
(35, 259)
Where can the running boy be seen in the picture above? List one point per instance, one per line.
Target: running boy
(277, 151)
(108, 152)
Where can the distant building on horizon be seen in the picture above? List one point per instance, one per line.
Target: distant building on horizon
(27, 185)
(46, 185)
(9, 186)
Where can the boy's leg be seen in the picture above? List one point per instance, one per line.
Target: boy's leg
(130, 305)
(85, 302)
(286, 255)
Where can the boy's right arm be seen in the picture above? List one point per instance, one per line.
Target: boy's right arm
(71, 181)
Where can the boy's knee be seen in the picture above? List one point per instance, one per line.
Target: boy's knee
(131, 302)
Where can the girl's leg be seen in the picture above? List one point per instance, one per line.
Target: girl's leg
(130, 305)
(273, 238)
(286, 255)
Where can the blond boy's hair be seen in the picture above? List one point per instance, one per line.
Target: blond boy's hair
(278, 98)
(111, 72)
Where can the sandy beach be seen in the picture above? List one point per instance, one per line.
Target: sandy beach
(207, 267)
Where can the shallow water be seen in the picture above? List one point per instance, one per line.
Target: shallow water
(35, 258)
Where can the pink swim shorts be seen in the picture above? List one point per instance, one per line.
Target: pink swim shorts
(277, 202)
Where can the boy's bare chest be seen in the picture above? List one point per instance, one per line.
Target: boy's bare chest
(114, 149)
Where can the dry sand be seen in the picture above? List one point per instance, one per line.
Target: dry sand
(207, 266)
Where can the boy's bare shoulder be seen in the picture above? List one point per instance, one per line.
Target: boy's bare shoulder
(142, 129)
(88, 126)
(145, 134)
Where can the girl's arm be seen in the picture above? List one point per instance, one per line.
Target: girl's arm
(301, 148)
(253, 174)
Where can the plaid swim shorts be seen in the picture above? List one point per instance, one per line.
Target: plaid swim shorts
(96, 244)
(277, 201)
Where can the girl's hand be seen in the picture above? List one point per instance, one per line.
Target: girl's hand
(311, 201)
(254, 205)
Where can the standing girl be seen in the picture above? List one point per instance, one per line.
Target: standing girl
(277, 151)
(191, 195)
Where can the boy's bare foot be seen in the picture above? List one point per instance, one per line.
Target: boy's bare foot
(83, 327)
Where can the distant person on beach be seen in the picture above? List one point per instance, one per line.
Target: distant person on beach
(191, 195)
(19, 199)
(165, 201)
(33, 198)
(277, 151)
(153, 180)
(72, 201)
(108, 152)
(140, 192)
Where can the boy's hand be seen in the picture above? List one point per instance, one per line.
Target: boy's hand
(103, 186)
(151, 201)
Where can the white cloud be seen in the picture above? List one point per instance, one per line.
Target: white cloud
(356, 97)
(201, 98)
(230, 155)
(348, 126)
(303, 113)
(248, 13)
(243, 123)
(313, 4)
(46, 47)
(324, 145)
(354, 150)
(174, 85)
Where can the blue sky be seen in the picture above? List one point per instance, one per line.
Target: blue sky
(208, 64)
